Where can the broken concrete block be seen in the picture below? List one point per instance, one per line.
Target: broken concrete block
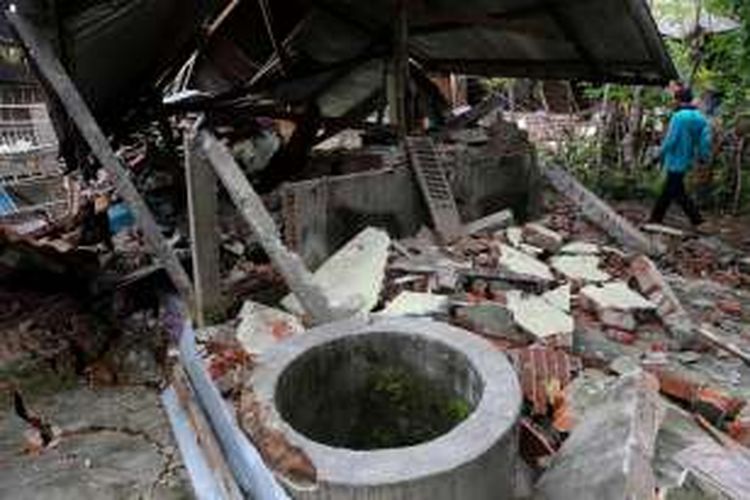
(559, 297)
(539, 236)
(237, 248)
(518, 263)
(661, 229)
(585, 391)
(514, 235)
(531, 250)
(621, 320)
(651, 283)
(725, 470)
(261, 326)
(615, 304)
(744, 265)
(647, 276)
(608, 454)
(417, 304)
(580, 248)
(353, 277)
(617, 295)
(492, 320)
(541, 319)
(490, 224)
(580, 268)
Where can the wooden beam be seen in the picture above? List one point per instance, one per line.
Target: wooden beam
(601, 214)
(206, 439)
(50, 69)
(297, 276)
(203, 207)
(476, 113)
(398, 78)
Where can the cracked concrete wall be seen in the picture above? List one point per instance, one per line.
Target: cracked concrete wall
(322, 214)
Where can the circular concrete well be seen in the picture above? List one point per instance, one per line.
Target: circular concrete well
(395, 408)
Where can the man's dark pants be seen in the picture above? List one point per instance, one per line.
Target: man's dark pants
(674, 190)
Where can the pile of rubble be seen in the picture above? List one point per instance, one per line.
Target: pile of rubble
(626, 389)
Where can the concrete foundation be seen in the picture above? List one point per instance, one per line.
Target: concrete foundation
(322, 214)
(396, 409)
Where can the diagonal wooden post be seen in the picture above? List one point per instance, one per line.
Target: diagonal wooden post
(295, 273)
(51, 70)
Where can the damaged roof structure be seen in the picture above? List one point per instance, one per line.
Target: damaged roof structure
(537, 309)
(334, 52)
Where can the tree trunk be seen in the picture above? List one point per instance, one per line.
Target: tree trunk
(631, 141)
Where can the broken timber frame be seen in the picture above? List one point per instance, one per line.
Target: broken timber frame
(295, 273)
(600, 213)
(250, 472)
(51, 70)
(203, 204)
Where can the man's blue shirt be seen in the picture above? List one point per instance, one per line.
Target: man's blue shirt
(688, 139)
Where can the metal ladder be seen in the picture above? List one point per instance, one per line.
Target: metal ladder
(435, 187)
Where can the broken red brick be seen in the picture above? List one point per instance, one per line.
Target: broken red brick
(731, 307)
(543, 370)
(739, 429)
(717, 407)
(622, 336)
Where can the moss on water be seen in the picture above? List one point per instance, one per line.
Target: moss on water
(401, 408)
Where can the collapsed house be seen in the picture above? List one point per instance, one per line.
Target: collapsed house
(336, 151)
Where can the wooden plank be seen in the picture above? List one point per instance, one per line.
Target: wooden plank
(205, 437)
(297, 276)
(203, 207)
(248, 468)
(476, 113)
(398, 78)
(204, 483)
(53, 73)
(600, 213)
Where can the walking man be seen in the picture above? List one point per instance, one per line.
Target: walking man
(688, 140)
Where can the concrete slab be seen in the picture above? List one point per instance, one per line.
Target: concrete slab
(492, 320)
(540, 236)
(581, 248)
(353, 277)
(517, 262)
(531, 250)
(540, 318)
(616, 295)
(559, 297)
(580, 268)
(490, 224)
(261, 327)
(608, 454)
(661, 229)
(514, 235)
(417, 304)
